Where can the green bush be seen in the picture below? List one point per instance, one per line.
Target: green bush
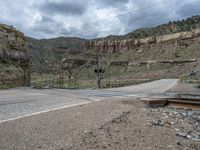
(4, 87)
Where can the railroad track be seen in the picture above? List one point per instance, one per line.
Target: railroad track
(188, 101)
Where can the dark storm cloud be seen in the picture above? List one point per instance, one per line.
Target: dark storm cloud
(189, 9)
(64, 7)
(146, 14)
(157, 13)
(91, 18)
(112, 3)
(46, 18)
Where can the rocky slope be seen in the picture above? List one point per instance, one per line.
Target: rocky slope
(145, 49)
(141, 53)
(120, 46)
(12, 44)
(171, 27)
(13, 58)
(166, 37)
(46, 53)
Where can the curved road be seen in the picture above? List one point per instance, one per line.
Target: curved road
(18, 103)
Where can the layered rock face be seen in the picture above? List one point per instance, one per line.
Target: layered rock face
(13, 58)
(12, 45)
(120, 46)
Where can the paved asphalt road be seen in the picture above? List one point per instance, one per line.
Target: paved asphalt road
(16, 103)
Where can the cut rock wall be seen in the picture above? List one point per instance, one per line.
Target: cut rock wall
(120, 46)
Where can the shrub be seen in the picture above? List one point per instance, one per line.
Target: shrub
(4, 87)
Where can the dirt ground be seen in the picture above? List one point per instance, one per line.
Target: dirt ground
(184, 88)
(113, 125)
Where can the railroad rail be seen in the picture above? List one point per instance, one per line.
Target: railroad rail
(188, 101)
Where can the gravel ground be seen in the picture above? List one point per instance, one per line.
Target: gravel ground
(114, 125)
(184, 88)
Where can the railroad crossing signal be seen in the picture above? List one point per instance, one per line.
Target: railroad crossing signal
(99, 75)
(99, 70)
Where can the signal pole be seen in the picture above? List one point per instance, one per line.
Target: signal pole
(98, 69)
(98, 74)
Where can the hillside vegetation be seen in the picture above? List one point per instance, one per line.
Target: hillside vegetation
(13, 58)
(187, 24)
(142, 50)
(53, 50)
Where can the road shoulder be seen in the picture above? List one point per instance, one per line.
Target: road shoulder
(113, 124)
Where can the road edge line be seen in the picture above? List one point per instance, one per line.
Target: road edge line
(45, 111)
(170, 86)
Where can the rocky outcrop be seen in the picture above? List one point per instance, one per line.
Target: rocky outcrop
(12, 45)
(133, 63)
(13, 57)
(119, 46)
(69, 64)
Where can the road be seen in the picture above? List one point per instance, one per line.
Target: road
(22, 102)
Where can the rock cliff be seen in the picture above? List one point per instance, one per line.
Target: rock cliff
(13, 58)
(12, 45)
(119, 46)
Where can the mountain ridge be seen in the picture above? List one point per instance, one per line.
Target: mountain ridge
(151, 53)
(175, 26)
(55, 49)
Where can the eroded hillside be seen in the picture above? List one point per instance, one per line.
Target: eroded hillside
(169, 50)
(13, 58)
(166, 51)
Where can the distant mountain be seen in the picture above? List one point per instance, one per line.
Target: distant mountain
(187, 24)
(51, 51)
(47, 52)
(169, 28)
(138, 54)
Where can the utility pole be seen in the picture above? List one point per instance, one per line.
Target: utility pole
(98, 70)
(98, 74)
(61, 76)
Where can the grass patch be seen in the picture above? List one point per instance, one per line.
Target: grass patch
(4, 87)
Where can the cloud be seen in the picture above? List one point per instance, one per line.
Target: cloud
(146, 14)
(69, 7)
(189, 9)
(91, 18)
(111, 3)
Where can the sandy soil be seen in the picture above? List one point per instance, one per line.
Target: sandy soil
(114, 125)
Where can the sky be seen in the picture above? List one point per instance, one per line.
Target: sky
(91, 18)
